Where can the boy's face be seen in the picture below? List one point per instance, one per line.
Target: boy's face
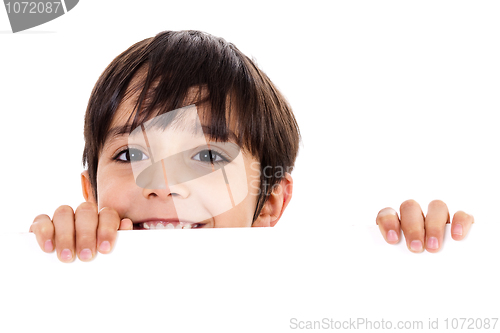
(176, 177)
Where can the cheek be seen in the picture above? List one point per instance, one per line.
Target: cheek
(239, 216)
(114, 192)
(253, 181)
(202, 198)
(242, 214)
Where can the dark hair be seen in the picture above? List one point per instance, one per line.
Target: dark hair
(165, 67)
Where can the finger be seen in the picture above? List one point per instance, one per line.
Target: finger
(412, 223)
(86, 230)
(435, 222)
(43, 229)
(64, 234)
(461, 225)
(126, 224)
(388, 223)
(109, 222)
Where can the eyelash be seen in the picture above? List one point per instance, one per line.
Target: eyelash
(214, 154)
(124, 151)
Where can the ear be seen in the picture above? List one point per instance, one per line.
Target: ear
(88, 194)
(276, 203)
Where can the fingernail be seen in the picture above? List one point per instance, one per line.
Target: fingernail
(48, 247)
(66, 255)
(104, 247)
(432, 243)
(416, 246)
(457, 229)
(392, 236)
(85, 254)
(125, 221)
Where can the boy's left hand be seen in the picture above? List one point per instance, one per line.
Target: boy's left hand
(422, 232)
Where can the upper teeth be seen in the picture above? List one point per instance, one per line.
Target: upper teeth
(166, 225)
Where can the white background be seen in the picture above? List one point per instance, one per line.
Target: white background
(394, 99)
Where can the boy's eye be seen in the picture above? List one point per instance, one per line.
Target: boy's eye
(209, 156)
(131, 155)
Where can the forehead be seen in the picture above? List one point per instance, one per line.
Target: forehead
(220, 123)
(121, 124)
(128, 104)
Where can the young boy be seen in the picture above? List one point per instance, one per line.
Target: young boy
(185, 100)
(181, 131)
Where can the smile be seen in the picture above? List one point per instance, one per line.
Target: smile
(158, 225)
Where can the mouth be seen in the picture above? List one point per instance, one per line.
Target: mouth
(159, 225)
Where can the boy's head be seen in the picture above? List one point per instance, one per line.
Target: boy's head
(233, 101)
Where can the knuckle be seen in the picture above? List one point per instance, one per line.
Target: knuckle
(108, 212)
(461, 214)
(40, 218)
(462, 217)
(45, 230)
(107, 233)
(437, 204)
(412, 229)
(65, 239)
(85, 232)
(87, 207)
(64, 210)
(414, 234)
(388, 219)
(409, 204)
(434, 230)
(86, 238)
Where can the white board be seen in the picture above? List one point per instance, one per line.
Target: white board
(248, 280)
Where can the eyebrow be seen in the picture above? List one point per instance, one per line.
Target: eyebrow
(207, 130)
(118, 131)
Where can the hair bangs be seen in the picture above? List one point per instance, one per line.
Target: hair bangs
(213, 83)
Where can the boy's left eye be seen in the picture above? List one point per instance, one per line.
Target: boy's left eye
(209, 156)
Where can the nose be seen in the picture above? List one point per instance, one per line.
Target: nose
(155, 182)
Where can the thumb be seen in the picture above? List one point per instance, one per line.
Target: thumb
(126, 224)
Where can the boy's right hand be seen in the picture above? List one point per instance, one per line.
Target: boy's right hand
(422, 232)
(82, 232)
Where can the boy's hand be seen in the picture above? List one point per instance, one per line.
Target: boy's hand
(80, 232)
(422, 231)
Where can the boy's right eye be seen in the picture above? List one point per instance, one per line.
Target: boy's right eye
(131, 155)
